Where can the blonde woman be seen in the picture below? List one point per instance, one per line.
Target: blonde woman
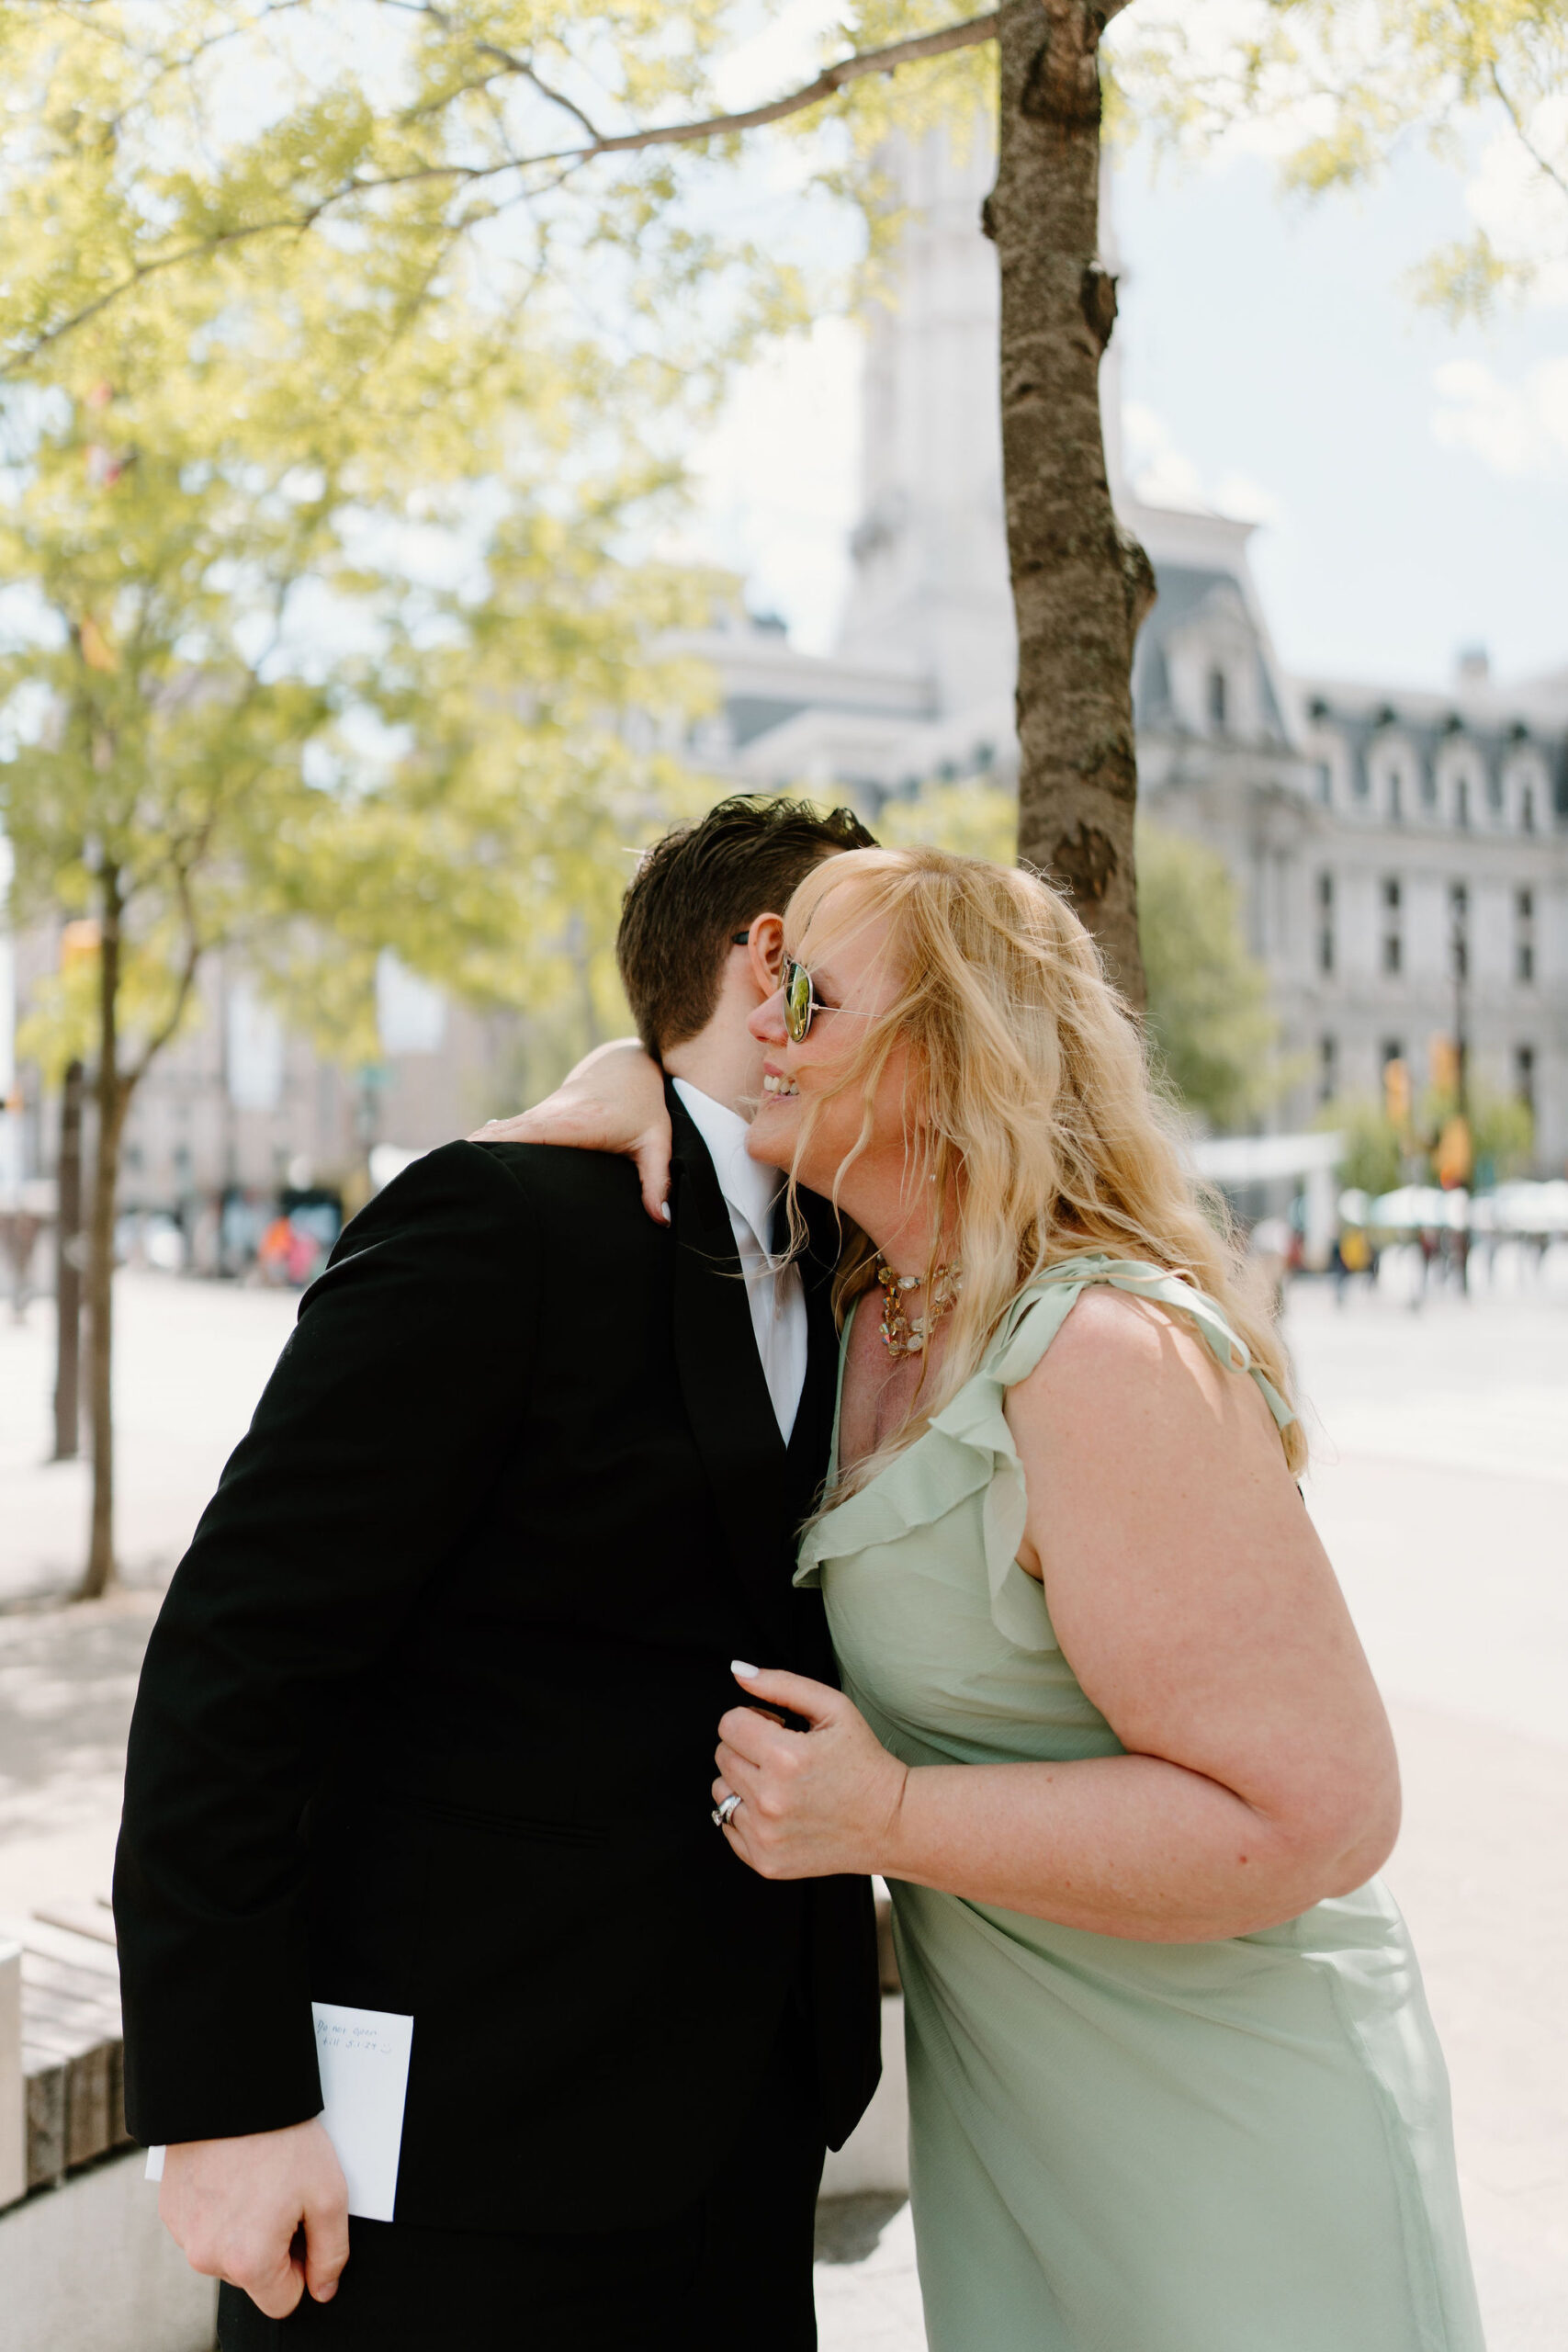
(1105, 1727)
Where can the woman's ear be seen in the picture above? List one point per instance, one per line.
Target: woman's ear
(765, 949)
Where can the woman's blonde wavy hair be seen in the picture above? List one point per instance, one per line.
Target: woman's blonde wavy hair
(1030, 1098)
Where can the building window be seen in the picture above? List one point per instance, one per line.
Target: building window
(1524, 1075)
(1397, 796)
(1462, 802)
(1217, 698)
(1324, 776)
(1428, 783)
(1360, 787)
(1527, 808)
(1327, 1069)
(1326, 923)
(1392, 927)
(1523, 937)
(1458, 930)
(1494, 790)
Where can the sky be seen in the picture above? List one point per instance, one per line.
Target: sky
(1410, 480)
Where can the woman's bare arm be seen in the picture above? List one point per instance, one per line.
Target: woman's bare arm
(613, 1101)
(1190, 1593)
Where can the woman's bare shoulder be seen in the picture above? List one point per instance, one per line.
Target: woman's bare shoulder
(1119, 1366)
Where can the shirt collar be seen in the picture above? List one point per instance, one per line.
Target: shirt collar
(749, 1188)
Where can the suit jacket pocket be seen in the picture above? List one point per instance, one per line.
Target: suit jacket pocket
(524, 1828)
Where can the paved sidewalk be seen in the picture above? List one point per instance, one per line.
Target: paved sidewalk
(1439, 1485)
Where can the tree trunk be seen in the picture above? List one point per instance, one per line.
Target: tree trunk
(1081, 584)
(68, 1270)
(109, 1094)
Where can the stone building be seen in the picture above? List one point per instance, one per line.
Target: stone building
(1402, 854)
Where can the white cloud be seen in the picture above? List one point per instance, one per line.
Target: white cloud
(1517, 430)
(1248, 501)
(1161, 474)
(778, 481)
(1521, 209)
(785, 50)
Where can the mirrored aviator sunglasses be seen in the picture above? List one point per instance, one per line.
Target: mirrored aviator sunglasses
(799, 1002)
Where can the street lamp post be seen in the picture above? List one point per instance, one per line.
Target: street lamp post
(1459, 908)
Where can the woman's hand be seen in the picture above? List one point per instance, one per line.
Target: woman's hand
(813, 1803)
(614, 1101)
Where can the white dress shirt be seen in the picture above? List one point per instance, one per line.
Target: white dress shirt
(773, 1289)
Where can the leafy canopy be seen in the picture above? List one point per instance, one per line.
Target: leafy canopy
(1335, 88)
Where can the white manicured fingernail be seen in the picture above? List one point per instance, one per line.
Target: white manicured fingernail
(664, 1210)
(742, 1672)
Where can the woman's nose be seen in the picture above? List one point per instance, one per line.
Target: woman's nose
(767, 1024)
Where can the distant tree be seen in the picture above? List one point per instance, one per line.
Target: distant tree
(579, 160)
(1210, 1020)
(1502, 1137)
(240, 704)
(1376, 1154)
(972, 817)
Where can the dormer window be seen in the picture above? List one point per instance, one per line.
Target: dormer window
(1217, 700)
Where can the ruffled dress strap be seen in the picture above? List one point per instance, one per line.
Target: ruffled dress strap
(1035, 1310)
(968, 1449)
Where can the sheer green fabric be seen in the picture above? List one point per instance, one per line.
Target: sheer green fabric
(1238, 2146)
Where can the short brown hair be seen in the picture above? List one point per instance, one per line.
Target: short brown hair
(702, 883)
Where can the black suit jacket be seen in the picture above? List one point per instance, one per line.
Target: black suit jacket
(427, 1719)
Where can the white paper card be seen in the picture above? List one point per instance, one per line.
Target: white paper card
(363, 2055)
(364, 2058)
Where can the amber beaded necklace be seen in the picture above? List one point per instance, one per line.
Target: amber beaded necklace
(903, 1334)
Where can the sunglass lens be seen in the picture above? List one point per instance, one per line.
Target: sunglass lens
(797, 1002)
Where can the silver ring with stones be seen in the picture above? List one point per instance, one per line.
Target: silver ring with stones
(723, 1814)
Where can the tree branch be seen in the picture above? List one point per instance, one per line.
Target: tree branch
(833, 78)
(131, 1079)
(520, 65)
(1522, 135)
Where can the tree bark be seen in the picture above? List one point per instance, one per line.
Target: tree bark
(68, 1270)
(1081, 584)
(110, 1096)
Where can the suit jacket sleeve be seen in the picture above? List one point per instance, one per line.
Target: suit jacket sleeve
(371, 1455)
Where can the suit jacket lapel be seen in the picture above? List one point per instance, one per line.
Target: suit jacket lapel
(726, 1395)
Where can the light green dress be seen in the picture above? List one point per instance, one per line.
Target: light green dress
(1240, 2146)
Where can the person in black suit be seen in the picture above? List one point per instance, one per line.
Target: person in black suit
(426, 1725)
